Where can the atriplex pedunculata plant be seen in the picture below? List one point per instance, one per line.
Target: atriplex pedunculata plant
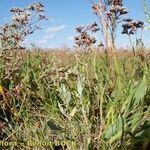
(22, 24)
(110, 13)
(131, 27)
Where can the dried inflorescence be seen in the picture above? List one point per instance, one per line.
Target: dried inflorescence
(13, 34)
(131, 27)
(39, 7)
(114, 14)
(113, 2)
(115, 8)
(84, 39)
(101, 44)
(23, 20)
(110, 13)
(96, 8)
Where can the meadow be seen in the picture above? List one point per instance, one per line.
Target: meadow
(85, 99)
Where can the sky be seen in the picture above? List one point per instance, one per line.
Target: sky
(64, 16)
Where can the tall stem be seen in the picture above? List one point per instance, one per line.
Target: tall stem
(133, 49)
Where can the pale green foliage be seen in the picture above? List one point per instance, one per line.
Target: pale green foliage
(147, 12)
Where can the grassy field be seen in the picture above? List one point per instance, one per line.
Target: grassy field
(90, 98)
(73, 97)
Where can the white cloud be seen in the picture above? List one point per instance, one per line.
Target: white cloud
(41, 42)
(70, 38)
(45, 39)
(48, 36)
(55, 29)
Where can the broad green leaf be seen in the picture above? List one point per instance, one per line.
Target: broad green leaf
(65, 95)
(114, 131)
(140, 92)
(126, 105)
(135, 121)
(136, 95)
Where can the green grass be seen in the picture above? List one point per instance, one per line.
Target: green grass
(75, 97)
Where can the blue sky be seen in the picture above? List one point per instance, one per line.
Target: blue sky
(64, 16)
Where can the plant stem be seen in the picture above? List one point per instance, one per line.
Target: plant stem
(133, 49)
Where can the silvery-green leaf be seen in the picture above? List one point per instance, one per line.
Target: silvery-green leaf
(73, 111)
(140, 91)
(79, 87)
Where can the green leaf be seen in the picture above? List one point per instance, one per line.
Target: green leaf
(114, 131)
(126, 105)
(135, 121)
(65, 95)
(140, 92)
(136, 96)
(53, 126)
(62, 110)
(79, 87)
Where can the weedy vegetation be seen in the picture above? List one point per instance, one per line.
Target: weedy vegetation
(94, 97)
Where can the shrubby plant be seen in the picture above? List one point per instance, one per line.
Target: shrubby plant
(110, 14)
(23, 23)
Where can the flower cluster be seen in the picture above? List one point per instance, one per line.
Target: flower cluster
(115, 11)
(96, 8)
(13, 34)
(115, 7)
(85, 39)
(39, 7)
(114, 14)
(110, 13)
(130, 26)
(118, 10)
(114, 2)
(23, 21)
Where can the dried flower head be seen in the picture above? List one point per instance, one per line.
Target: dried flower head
(96, 8)
(101, 44)
(84, 39)
(93, 27)
(130, 26)
(22, 25)
(13, 34)
(79, 29)
(114, 2)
